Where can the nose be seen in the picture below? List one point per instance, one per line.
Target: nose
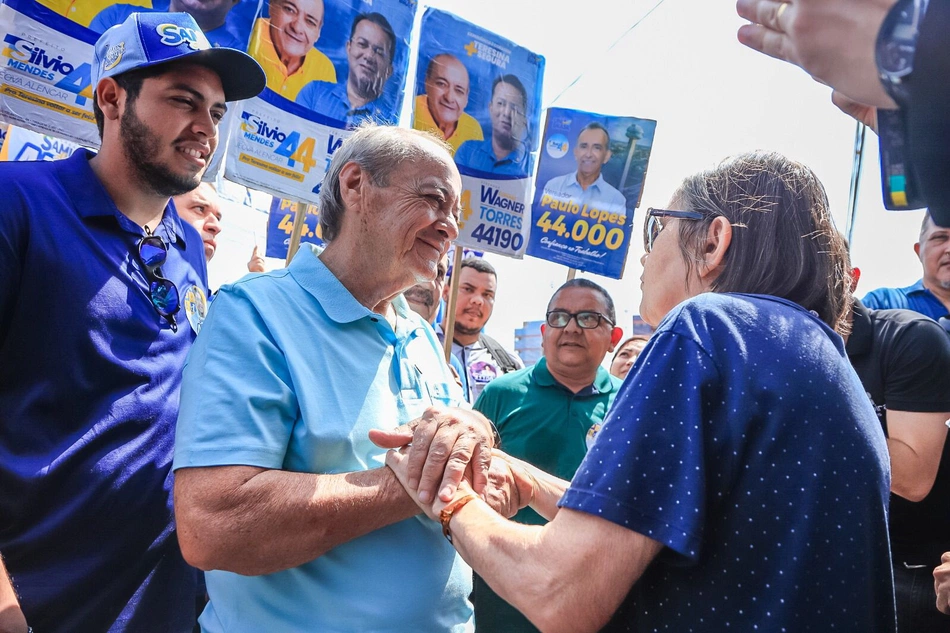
(212, 225)
(449, 226)
(643, 258)
(204, 124)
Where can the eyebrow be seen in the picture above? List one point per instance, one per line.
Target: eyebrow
(197, 95)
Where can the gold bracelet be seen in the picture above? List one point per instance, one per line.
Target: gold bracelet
(445, 516)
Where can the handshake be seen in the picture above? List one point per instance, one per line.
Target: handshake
(454, 450)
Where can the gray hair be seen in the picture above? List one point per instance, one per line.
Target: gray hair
(378, 150)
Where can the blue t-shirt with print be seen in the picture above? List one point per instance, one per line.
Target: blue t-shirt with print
(743, 442)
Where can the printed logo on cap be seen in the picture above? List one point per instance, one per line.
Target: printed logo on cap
(113, 56)
(176, 35)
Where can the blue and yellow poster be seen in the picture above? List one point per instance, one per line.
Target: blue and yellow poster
(590, 179)
(482, 94)
(48, 46)
(280, 225)
(330, 65)
(46, 82)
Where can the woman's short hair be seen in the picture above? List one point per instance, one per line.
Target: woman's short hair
(784, 242)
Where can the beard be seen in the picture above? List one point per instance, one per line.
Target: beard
(141, 145)
(419, 295)
(466, 331)
(369, 88)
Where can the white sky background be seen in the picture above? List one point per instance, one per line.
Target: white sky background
(711, 97)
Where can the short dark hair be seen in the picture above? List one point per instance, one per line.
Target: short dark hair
(479, 265)
(515, 83)
(379, 20)
(580, 282)
(131, 82)
(784, 242)
(594, 125)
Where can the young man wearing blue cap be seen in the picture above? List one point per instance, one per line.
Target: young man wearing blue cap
(96, 274)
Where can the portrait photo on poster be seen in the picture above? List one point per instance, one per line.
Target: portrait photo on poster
(590, 178)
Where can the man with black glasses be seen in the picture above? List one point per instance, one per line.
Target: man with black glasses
(549, 414)
(95, 270)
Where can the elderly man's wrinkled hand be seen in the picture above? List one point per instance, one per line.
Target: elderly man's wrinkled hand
(942, 583)
(444, 442)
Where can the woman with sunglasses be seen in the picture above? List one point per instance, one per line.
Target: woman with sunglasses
(740, 481)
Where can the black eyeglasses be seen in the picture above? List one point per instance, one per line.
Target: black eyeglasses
(654, 226)
(162, 292)
(585, 320)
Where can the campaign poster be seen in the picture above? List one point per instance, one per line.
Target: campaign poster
(280, 225)
(49, 46)
(21, 144)
(481, 93)
(226, 24)
(589, 182)
(46, 81)
(330, 66)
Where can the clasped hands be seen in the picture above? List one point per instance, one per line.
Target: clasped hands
(452, 450)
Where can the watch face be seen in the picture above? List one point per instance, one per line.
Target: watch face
(897, 40)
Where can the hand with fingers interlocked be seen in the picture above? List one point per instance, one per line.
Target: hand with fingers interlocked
(832, 40)
(443, 445)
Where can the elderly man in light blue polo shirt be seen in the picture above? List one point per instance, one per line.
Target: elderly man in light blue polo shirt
(279, 490)
(587, 186)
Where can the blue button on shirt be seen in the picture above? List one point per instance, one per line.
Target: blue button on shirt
(915, 297)
(291, 372)
(480, 156)
(331, 100)
(89, 383)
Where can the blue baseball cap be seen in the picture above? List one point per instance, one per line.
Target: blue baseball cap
(148, 39)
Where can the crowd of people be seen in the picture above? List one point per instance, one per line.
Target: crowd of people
(771, 458)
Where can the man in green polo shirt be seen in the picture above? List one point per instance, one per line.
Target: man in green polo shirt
(548, 414)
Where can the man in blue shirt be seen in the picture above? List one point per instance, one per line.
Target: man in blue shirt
(931, 294)
(587, 186)
(369, 56)
(94, 263)
(505, 149)
(211, 16)
(279, 491)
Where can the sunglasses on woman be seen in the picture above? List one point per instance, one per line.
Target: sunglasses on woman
(654, 226)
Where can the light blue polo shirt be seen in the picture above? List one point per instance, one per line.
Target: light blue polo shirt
(291, 372)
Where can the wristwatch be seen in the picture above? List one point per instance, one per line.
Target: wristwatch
(896, 46)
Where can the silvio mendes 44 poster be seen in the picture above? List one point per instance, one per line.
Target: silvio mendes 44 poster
(48, 55)
(590, 178)
(330, 65)
(482, 94)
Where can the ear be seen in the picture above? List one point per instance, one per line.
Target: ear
(352, 180)
(108, 94)
(543, 328)
(917, 250)
(718, 239)
(615, 337)
(855, 278)
(607, 157)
